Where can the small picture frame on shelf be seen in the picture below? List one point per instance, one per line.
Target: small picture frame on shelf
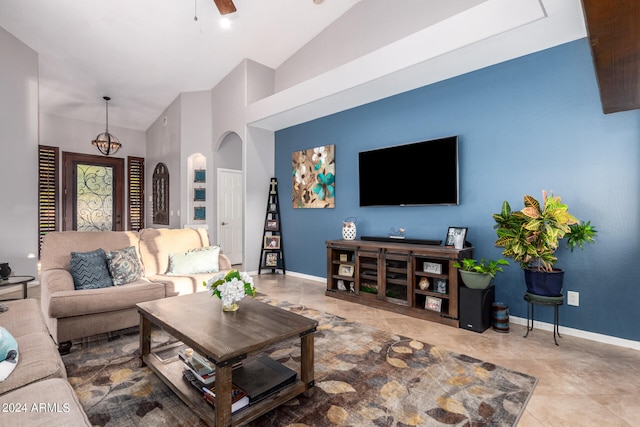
(272, 242)
(272, 224)
(345, 270)
(440, 286)
(199, 194)
(434, 304)
(271, 259)
(200, 175)
(454, 233)
(199, 213)
(432, 267)
(344, 257)
(424, 283)
(272, 207)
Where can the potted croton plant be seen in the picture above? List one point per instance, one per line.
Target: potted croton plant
(532, 235)
(478, 275)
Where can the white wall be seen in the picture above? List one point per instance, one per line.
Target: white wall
(76, 136)
(19, 143)
(163, 146)
(195, 137)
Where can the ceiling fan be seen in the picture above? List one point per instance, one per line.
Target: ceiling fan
(225, 7)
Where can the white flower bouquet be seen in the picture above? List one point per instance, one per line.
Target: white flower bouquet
(230, 287)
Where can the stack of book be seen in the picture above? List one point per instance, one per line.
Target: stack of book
(253, 380)
(202, 369)
(239, 399)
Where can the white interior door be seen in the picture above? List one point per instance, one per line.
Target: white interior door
(230, 213)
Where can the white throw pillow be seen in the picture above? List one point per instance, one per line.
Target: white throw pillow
(194, 261)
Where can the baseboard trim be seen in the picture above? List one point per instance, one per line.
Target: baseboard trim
(578, 333)
(564, 330)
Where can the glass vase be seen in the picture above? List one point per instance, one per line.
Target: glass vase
(230, 307)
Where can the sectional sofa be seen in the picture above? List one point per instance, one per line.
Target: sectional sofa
(36, 392)
(171, 261)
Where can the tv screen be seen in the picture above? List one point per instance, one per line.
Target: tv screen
(420, 173)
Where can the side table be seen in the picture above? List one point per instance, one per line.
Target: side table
(533, 300)
(18, 280)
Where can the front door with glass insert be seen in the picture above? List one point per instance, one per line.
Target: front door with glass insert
(93, 192)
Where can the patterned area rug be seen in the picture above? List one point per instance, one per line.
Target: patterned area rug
(364, 377)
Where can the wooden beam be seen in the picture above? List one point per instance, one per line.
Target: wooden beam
(614, 33)
(225, 6)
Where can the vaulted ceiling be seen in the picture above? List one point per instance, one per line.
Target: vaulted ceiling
(144, 53)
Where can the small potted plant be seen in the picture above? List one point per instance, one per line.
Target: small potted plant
(531, 237)
(478, 275)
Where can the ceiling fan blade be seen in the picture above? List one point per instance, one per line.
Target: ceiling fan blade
(225, 6)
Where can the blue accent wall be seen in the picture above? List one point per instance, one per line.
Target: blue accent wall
(525, 125)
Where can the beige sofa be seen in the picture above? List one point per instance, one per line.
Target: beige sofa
(72, 314)
(36, 393)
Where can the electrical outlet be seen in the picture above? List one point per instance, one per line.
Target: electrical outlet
(573, 298)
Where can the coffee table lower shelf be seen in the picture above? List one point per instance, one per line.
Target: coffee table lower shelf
(171, 374)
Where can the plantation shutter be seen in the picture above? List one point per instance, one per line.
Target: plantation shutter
(136, 193)
(47, 191)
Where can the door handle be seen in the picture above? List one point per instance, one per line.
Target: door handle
(224, 223)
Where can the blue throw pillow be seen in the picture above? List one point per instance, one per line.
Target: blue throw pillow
(89, 270)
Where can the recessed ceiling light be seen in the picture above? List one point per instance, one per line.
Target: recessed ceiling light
(225, 22)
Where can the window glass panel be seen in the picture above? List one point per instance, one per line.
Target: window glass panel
(94, 202)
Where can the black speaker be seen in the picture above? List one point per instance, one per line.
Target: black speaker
(475, 308)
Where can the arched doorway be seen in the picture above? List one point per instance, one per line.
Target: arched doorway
(230, 196)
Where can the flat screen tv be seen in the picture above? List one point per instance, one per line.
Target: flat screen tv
(420, 173)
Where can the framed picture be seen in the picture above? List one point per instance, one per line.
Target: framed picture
(272, 224)
(199, 194)
(344, 257)
(271, 259)
(433, 303)
(453, 232)
(440, 286)
(432, 267)
(200, 175)
(272, 242)
(199, 212)
(319, 191)
(345, 270)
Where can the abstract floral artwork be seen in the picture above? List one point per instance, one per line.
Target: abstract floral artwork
(313, 174)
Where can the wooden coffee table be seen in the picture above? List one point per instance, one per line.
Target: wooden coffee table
(225, 338)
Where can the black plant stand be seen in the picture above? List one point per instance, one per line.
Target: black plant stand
(555, 302)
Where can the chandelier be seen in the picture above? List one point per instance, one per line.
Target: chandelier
(105, 142)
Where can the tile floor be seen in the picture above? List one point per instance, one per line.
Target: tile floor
(580, 383)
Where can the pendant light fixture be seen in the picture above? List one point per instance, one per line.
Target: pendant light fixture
(105, 142)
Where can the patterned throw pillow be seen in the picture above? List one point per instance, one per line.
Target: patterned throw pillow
(8, 353)
(89, 270)
(124, 266)
(194, 261)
